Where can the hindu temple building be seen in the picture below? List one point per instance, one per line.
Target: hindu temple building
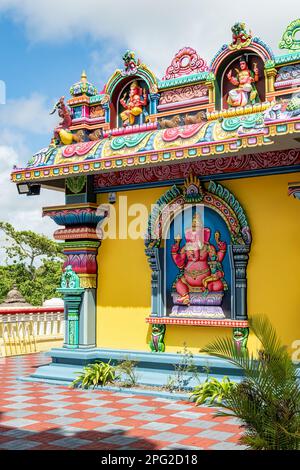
(181, 216)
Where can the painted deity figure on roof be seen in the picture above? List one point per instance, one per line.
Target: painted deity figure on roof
(134, 105)
(244, 81)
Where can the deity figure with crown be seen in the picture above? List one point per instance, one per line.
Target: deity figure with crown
(201, 266)
(244, 80)
(135, 104)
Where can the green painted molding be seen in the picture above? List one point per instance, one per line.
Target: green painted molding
(185, 80)
(82, 244)
(287, 58)
(96, 99)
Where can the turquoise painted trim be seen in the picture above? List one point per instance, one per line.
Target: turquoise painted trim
(287, 58)
(96, 99)
(185, 80)
(218, 177)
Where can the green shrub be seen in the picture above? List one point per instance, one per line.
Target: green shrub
(184, 371)
(99, 373)
(212, 390)
(267, 400)
(127, 369)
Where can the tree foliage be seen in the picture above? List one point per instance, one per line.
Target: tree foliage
(33, 262)
(267, 400)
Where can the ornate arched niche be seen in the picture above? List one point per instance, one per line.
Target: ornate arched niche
(135, 81)
(198, 245)
(251, 50)
(229, 77)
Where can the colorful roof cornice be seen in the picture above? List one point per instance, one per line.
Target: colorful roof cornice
(83, 87)
(152, 148)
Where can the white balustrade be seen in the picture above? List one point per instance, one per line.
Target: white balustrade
(30, 330)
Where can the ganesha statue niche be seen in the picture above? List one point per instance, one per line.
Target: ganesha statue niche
(134, 105)
(201, 279)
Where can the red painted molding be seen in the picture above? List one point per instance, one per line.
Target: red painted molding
(197, 322)
(29, 310)
(212, 166)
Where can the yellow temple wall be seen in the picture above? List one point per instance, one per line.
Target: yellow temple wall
(124, 281)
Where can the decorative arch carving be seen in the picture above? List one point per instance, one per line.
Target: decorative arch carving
(256, 45)
(223, 260)
(119, 83)
(185, 62)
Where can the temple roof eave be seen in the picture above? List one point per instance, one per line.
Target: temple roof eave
(256, 141)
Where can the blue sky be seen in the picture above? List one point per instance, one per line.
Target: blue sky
(45, 46)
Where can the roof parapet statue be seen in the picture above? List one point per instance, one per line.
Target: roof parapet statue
(240, 37)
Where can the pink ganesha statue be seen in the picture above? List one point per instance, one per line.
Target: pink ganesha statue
(202, 275)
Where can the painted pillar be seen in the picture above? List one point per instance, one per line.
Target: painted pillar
(270, 74)
(80, 218)
(106, 111)
(72, 300)
(240, 255)
(154, 100)
(157, 308)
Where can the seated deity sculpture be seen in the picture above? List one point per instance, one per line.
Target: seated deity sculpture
(200, 264)
(244, 81)
(135, 104)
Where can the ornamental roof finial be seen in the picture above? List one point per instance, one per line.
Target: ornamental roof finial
(83, 76)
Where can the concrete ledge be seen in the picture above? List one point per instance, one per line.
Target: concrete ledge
(154, 369)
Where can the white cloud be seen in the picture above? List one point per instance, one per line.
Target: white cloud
(23, 212)
(156, 29)
(28, 114)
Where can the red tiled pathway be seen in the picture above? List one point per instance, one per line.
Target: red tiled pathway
(42, 416)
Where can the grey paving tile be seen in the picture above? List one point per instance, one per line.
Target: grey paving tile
(19, 444)
(164, 400)
(235, 421)
(157, 426)
(216, 435)
(124, 395)
(57, 404)
(19, 406)
(202, 424)
(17, 433)
(170, 437)
(59, 412)
(227, 446)
(119, 440)
(94, 402)
(18, 413)
(113, 428)
(140, 408)
(147, 417)
(19, 422)
(18, 399)
(17, 391)
(108, 419)
(64, 421)
(70, 442)
(132, 401)
(103, 410)
(188, 415)
(181, 447)
(177, 407)
(55, 397)
(66, 431)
